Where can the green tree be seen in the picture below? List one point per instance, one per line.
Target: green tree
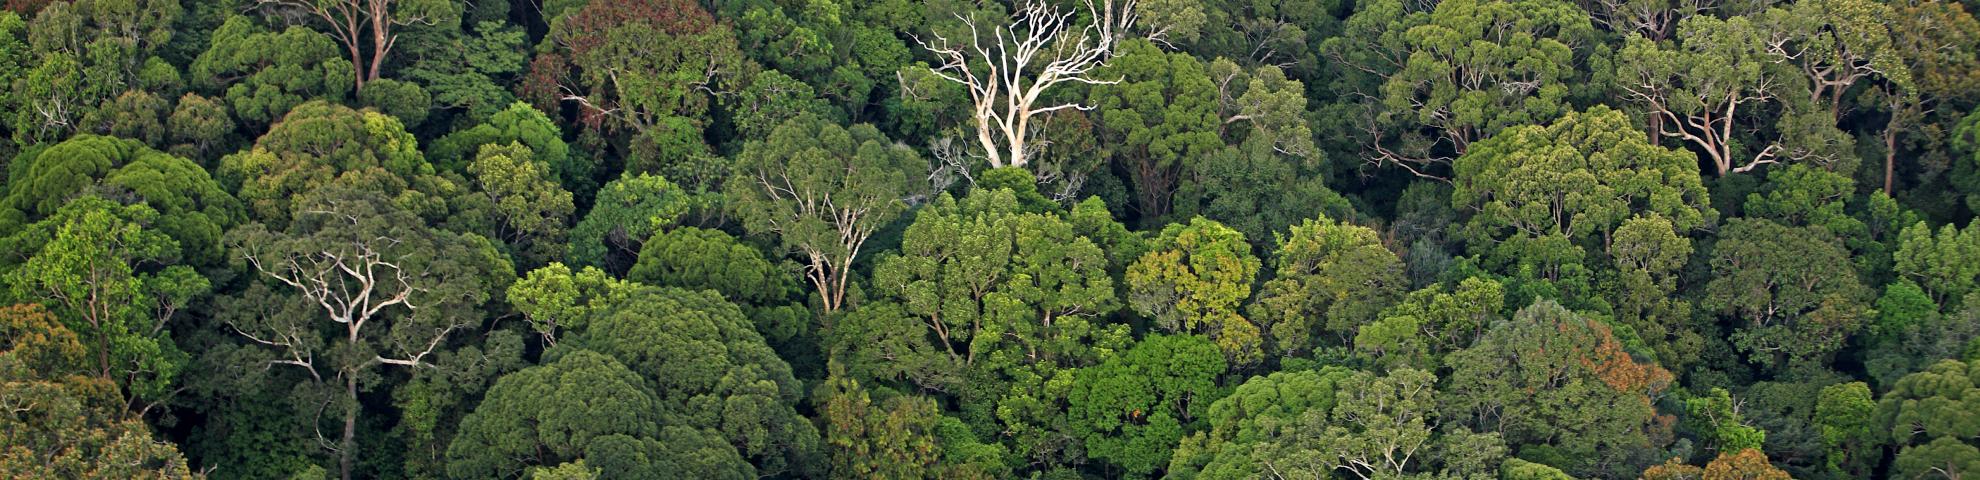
(116, 281)
(531, 211)
(1560, 387)
(581, 407)
(1790, 292)
(635, 72)
(1946, 263)
(1718, 418)
(1429, 323)
(1131, 409)
(1261, 412)
(263, 74)
(889, 439)
(519, 123)
(1192, 280)
(191, 207)
(1846, 416)
(320, 145)
(385, 289)
(628, 211)
(1157, 120)
(61, 423)
(1929, 417)
(1459, 73)
(1573, 181)
(1331, 278)
(703, 259)
(823, 190)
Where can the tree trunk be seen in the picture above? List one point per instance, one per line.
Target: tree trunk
(1890, 159)
(380, 36)
(348, 446)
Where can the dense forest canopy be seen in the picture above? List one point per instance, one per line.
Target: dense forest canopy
(1055, 239)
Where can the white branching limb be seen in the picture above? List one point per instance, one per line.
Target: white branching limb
(1008, 68)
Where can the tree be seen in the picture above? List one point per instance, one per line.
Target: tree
(530, 209)
(635, 71)
(823, 190)
(1836, 43)
(1157, 120)
(1695, 91)
(1131, 409)
(1428, 323)
(1331, 277)
(580, 408)
(1721, 423)
(519, 123)
(1929, 418)
(62, 424)
(1846, 415)
(1192, 280)
(191, 207)
(1791, 292)
(1009, 69)
(628, 211)
(1559, 386)
(322, 145)
(348, 21)
(1945, 263)
(1258, 413)
(1463, 71)
(1941, 79)
(1575, 180)
(390, 288)
(889, 439)
(264, 74)
(701, 259)
(116, 282)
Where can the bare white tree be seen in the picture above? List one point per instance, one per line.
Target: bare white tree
(1009, 67)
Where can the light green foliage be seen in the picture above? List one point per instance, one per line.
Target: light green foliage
(197, 125)
(134, 114)
(320, 145)
(1790, 292)
(1697, 90)
(192, 208)
(1431, 322)
(1192, 280)
(1945, 263)
(1718, 417)
(1269, 174)
(1559, 387)
(1332, 278)
(262, 74)
(628, 211)
(1131, 409)
(1911, 334)
(1573, 181)
(115, 280)
(1846, 416)
(530, 209)
(1377, 427)
(1930, 418)
(1837, 43)
(823, 190)
(554, 299)
(574, 470)
(90, 52)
